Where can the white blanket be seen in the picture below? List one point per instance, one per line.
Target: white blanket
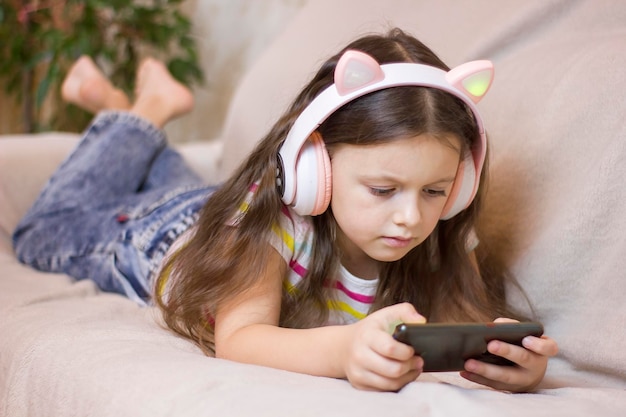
(68, 350)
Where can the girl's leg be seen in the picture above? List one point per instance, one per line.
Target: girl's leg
(159, 98)
(82, 209)
(74, 223)
(168, 169)
(86, 87)
(116, 153)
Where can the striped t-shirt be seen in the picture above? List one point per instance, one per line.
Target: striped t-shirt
(350, 297)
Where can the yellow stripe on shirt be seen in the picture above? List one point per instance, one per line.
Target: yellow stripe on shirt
(346, 308)
(285, 237)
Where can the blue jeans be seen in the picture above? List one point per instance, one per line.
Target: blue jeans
(113, 208)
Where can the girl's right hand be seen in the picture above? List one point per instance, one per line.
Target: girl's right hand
(373, 359)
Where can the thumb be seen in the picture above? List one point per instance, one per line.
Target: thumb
(401, 313)
(505, 320)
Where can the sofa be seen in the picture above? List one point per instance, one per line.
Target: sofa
(555, 216)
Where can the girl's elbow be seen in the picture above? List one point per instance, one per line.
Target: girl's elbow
(226, 346)
(221, 348)
(220, 353)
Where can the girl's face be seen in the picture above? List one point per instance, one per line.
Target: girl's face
(387, 198)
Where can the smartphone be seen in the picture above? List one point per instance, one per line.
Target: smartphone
(446, 347)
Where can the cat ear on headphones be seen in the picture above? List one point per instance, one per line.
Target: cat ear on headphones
(473, 78)
(355, 70)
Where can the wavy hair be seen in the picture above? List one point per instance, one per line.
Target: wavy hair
(437, 277)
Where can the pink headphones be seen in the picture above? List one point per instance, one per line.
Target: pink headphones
(305, 179)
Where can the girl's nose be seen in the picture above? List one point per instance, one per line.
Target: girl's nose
(407, 213)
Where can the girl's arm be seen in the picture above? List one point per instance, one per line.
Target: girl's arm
(246, 330)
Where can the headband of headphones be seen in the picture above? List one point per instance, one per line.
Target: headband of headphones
(357, 74)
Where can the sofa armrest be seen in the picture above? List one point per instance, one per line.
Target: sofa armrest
(26, 162)
(203, 157)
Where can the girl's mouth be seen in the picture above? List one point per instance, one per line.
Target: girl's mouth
(397, 242)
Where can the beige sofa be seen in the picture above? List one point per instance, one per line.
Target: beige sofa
(556, 214)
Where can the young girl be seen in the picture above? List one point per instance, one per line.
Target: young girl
(354, 213)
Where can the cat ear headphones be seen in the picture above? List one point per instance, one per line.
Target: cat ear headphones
(304, 178)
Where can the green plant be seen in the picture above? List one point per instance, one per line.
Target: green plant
(42, 38)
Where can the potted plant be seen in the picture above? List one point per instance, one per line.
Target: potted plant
(42, 38)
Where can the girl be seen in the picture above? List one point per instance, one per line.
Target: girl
(354, 213)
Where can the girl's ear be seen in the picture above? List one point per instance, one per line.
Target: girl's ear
(473, 78)
(356, 70)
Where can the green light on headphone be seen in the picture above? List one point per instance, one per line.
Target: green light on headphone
(478, 84)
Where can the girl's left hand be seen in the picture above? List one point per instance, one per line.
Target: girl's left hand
(531, 362)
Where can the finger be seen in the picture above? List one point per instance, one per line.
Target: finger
(505, 320)
(509, 378)
(373, 381)
(543, 345)
(470, 376)
(499, 377)
(394, 369)
(517, 354)
(386, 346)
(479, 379)
(374, 372)
(389, 357)
(397, 370)
(399, 313)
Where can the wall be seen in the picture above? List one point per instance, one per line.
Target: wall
(230, 34)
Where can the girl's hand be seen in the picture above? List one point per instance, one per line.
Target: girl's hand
(531, 362)
(373, 359)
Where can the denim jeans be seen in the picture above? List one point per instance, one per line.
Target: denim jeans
(113, 208)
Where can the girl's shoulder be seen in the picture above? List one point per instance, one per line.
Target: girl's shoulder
(293, 238)
(293, 235)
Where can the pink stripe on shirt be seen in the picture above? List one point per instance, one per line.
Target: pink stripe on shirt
(367, 299)
(297, 268)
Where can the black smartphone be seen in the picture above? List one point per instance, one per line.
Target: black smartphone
(446, 347)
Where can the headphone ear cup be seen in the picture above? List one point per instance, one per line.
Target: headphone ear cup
(463, 190)
(313, 178)
(325, 176)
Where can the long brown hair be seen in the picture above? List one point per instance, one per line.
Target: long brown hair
(437, 276)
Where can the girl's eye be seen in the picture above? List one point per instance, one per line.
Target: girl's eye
(435, 193)
(381, 191)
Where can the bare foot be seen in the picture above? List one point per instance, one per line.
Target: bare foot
(87, 87)
(159, 97)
